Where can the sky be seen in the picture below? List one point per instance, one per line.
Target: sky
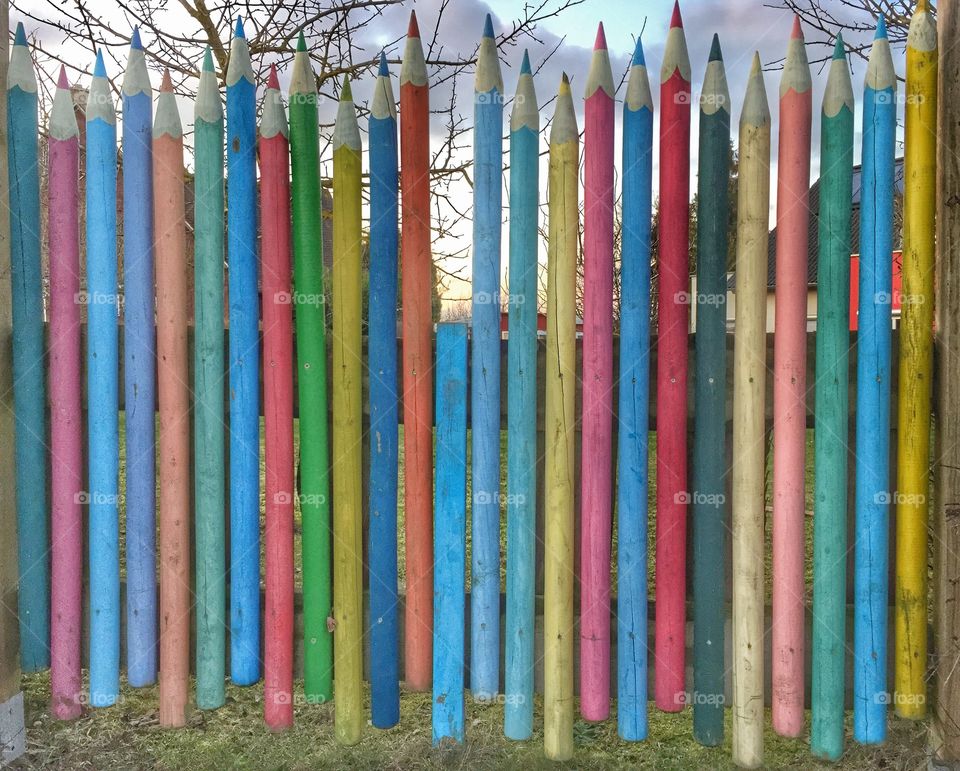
(743, 26)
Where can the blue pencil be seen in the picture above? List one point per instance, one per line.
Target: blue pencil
(244, 358)
(29, 383)
(522, 408)
(485, 366)
(139, 369)
(103, 380)
(633, 404)
(873, 396)
(450, 533)
(382, 376)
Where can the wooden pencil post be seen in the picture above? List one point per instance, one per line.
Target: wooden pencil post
(945, 738)
(12, 733)
(708, 501)
(916, 365)
(244, 352)
(347, 424)
(66, 423)
(29, 383)
(634, 403)
(872, 493)
(789, 390)
(139, 369)
(384, 404)
(208, 410)
(277, 411)
(596, 494)
(102, 379)
(749, 376)
(311, 333)
(560, 428)
(417, 288)
(485, 366)
(673, 321)
(173, 397)
(522, 410)
(832, 385)
(450, 534)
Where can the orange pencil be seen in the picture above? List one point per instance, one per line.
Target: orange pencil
(174, 402)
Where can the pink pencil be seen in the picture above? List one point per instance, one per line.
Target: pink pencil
(672, 325)
(278, 410)
(596, 493)
(66, 428)
(789, 388)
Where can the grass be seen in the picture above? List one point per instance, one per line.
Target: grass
(128, 736)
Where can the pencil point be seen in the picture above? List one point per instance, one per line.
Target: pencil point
(166, 84)
(525, 64)
(797, 32)
(676, 20)
(413, 29)
(384, 69)
(839, 52)
(272, 80)
(238, 30)
(346, 93)
(301, 42)
(488, 27)
(20, 39)
(716, 55)
(601, 42)
(62, 81)
(207, 60)
(881, 28)
(99, 70)
(135, 41)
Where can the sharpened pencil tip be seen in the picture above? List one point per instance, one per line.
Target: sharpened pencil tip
(99, 70)
(525, 64)
(716, 55)
(20, 39)
(881, 28)
(272, 80)
(676, 20)
(384, 69)
(488, 26)
(839, 52)
(208, 60)
(301, 42)
(238, 30)
(600, 44)
(413, 29)
(346, 93)
(135, 42)
(62, 81)
(638, 60)
(797, 32)
(166, 84)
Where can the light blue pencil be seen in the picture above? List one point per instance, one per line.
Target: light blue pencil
(103, 380)
(871, 556)
(29, 382)
(450, 531)
(139, 369)
(244, 352)
(633, 404)
(485, 366)
(522, 409)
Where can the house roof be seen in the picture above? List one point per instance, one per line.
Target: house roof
(814, 226)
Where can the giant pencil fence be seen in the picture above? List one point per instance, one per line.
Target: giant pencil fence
(347, 604)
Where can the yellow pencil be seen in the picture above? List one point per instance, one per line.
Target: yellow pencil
(559, 427)
(347, 424)
(749, 377)
(916, 365)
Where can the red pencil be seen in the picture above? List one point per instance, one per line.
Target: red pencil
(672, 326)
(66, 424)
(173, 397)
(789, 389)
(417, 272)
(277, 410)
(596, 492)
